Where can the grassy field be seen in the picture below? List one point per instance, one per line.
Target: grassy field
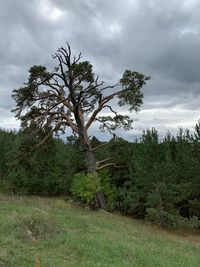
(37, 232)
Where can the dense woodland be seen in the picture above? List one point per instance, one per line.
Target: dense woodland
(152, 179)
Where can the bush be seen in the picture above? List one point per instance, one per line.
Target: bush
(110, 191)
(84, 187)
(194, 222)
(157, 216)
(172, 220)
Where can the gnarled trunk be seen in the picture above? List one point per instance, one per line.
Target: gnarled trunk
(89, 159)
(99, 198)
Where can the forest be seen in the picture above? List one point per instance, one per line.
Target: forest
(153, 179)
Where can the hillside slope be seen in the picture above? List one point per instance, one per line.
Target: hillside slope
(49, 232)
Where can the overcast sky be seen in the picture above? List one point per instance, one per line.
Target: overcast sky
(158, 38)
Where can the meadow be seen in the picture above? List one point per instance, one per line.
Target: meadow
(49, 232)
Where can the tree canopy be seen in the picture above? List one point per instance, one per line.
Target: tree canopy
(72, 96)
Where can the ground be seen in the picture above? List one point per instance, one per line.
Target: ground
(42, 232)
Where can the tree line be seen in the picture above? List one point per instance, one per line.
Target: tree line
(152, 179)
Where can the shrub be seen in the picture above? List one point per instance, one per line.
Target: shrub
(157, 216)
(172, 220)
(194, 222)
(110, 191)
(85, 186)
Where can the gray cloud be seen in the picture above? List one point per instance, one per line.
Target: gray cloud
(159, 38)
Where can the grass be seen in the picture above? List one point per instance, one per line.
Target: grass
(42, 232)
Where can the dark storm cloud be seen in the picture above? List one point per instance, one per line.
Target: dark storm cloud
(158, 38)
(181, 59)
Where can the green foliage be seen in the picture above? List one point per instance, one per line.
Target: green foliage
(172, 220)
(164, 183)
(61, 98)
(17, 180)
(110, 191)
(85, 186)
(157, 216)
(156, 180)
(83, 72)
(47, 170)
(132, 82)
(115, 122)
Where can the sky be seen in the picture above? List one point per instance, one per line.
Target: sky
(158, 38)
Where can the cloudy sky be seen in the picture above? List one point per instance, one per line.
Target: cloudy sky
(158, 38)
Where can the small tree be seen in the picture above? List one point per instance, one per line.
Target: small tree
(72, 96)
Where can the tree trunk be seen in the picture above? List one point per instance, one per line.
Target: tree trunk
(90, 160)
(99, 198)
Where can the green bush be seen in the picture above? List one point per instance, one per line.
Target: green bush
(110, 191)
(157, 216)
(85, 186)
(194, 222)
(172, 220)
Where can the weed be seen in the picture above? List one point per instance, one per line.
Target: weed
(36, 225)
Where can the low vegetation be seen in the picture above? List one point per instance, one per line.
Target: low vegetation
(51, 232)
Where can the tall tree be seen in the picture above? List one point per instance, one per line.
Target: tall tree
(72, 96)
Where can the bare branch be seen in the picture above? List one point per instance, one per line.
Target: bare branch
(106, 125)
(68, 105)
(93, 116)
(69, 122)
(77, 59)
(96, 148)
(54, 87)
(109, 97)
(102, 161)
(55, 105)
(111, 109)
(48, 135)
(66, 54)
(58, 56)
(102, 103)
(69, 50)
(110, 164)
(109, 87)
(42, 142)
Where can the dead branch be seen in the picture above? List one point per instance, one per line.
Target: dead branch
(99, 146)
(69, 122)
(102, 161)
(112, 110)
(49, 134)
(110, 164)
